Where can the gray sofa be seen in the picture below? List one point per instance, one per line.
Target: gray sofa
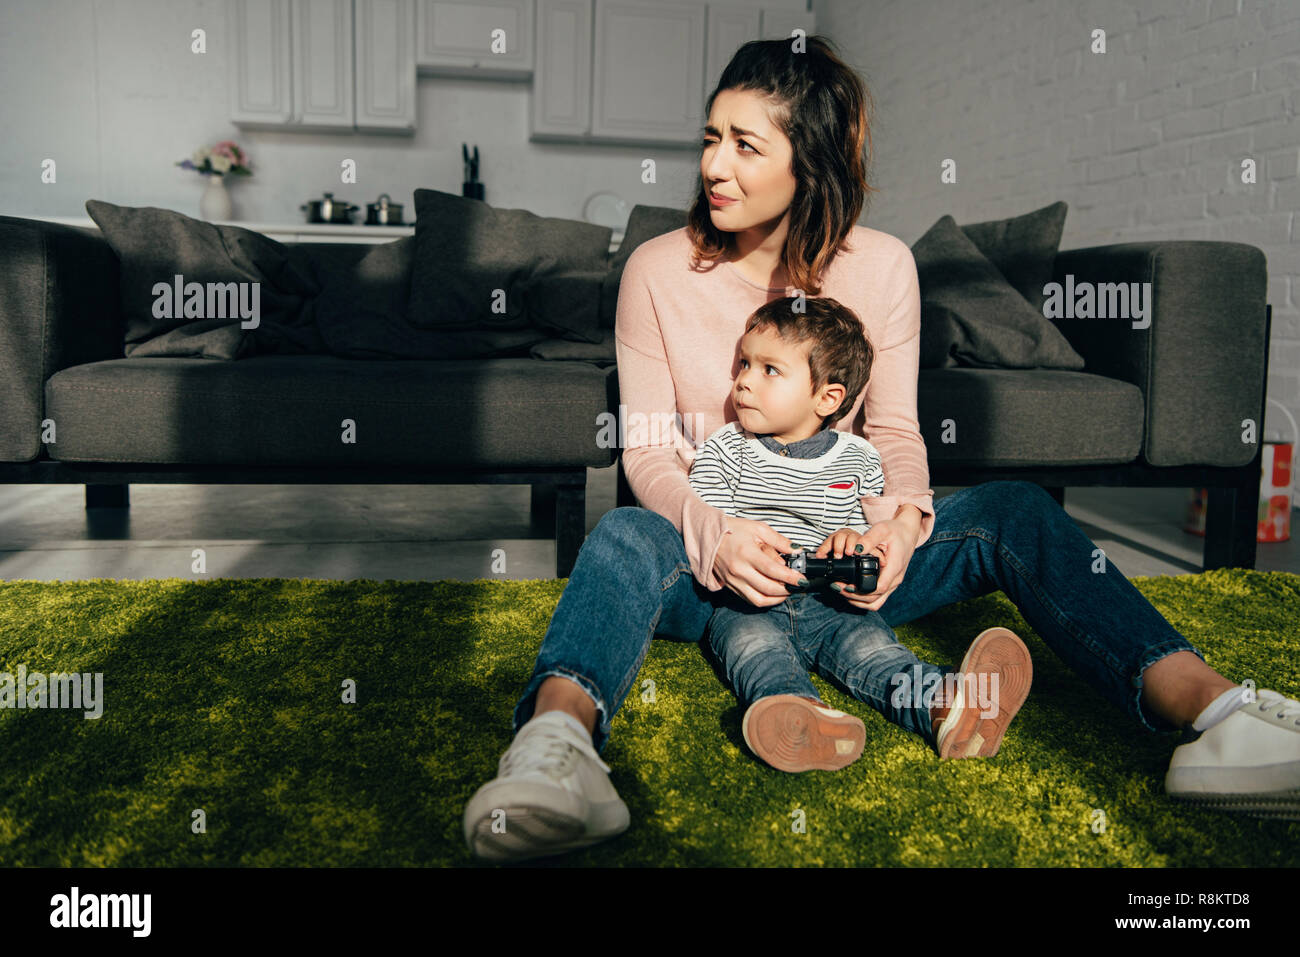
(1156, 407)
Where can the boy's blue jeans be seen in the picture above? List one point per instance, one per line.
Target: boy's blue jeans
(768, 651)
(632, 582)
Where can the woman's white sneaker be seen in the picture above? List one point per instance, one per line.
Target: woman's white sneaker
(1247, 762)
(552, 794)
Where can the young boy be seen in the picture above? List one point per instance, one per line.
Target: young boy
(782, 463)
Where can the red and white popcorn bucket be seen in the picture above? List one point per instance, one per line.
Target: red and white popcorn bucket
(1277, 460)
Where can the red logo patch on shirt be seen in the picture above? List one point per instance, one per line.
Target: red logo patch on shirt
(840, 485)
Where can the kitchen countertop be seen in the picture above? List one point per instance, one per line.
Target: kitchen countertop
(310, 229)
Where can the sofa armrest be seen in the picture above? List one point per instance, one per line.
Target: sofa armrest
(59, 307)
(1200, 359)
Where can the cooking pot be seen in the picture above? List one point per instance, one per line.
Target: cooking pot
(328, 210)
(384, 212)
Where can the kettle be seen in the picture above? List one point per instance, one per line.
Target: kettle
(384, 212)
(328, 210)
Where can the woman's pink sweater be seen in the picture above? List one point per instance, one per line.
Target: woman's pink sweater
(677, 338)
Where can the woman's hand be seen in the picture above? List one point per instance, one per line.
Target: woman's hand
(749, 562)
(893, 541)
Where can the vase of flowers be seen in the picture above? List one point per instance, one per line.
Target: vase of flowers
(216, 163)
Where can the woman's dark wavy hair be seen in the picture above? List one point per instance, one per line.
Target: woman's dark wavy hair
(824, 109)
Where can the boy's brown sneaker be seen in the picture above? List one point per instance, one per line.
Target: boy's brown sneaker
(965, 732)
(792, 733)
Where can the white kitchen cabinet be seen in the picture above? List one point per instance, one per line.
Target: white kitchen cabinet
(322, 64)
(385, 45)
(648, 71)
(730, 28)
(561, 106)
(639, 71)
(492, 39)
(260, 62)
(291, 64)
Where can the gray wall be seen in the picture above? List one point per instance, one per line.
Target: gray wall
(1144, 141)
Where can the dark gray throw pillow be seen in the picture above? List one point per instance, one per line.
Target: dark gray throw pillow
(155, 245)
(362, 314)
(644, 222)
(564, 350)
(971, 315)
(1023, 248)
(567, 304)
(466, 250)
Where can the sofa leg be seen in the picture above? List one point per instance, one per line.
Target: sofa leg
(108, 496)
(541, 510)
(1231, 519)
(570, 526)
(1057, 492)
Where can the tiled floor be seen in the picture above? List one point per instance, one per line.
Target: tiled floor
(430, 532)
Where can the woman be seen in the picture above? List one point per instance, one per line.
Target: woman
(782, 184)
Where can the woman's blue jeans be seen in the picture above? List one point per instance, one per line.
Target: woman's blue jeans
(632, 582)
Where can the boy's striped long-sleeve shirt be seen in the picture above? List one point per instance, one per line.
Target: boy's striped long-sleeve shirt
(805, 499)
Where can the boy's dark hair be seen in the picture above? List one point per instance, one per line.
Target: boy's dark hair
(840, 353)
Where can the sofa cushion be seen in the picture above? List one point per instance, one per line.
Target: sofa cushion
(468, 253)
(155, 245)
(602, 352)
(368, 288)
(567, 304)
(361, 310)
(1023, 248)
(323, 261)
(971, 315)
(994, 417)
(644, 222)
(289, 410)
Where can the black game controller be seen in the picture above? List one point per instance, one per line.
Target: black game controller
(860, 571)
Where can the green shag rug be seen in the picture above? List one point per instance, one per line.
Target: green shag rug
(226, 696)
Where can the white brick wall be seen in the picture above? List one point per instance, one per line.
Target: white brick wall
(1144, 141)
